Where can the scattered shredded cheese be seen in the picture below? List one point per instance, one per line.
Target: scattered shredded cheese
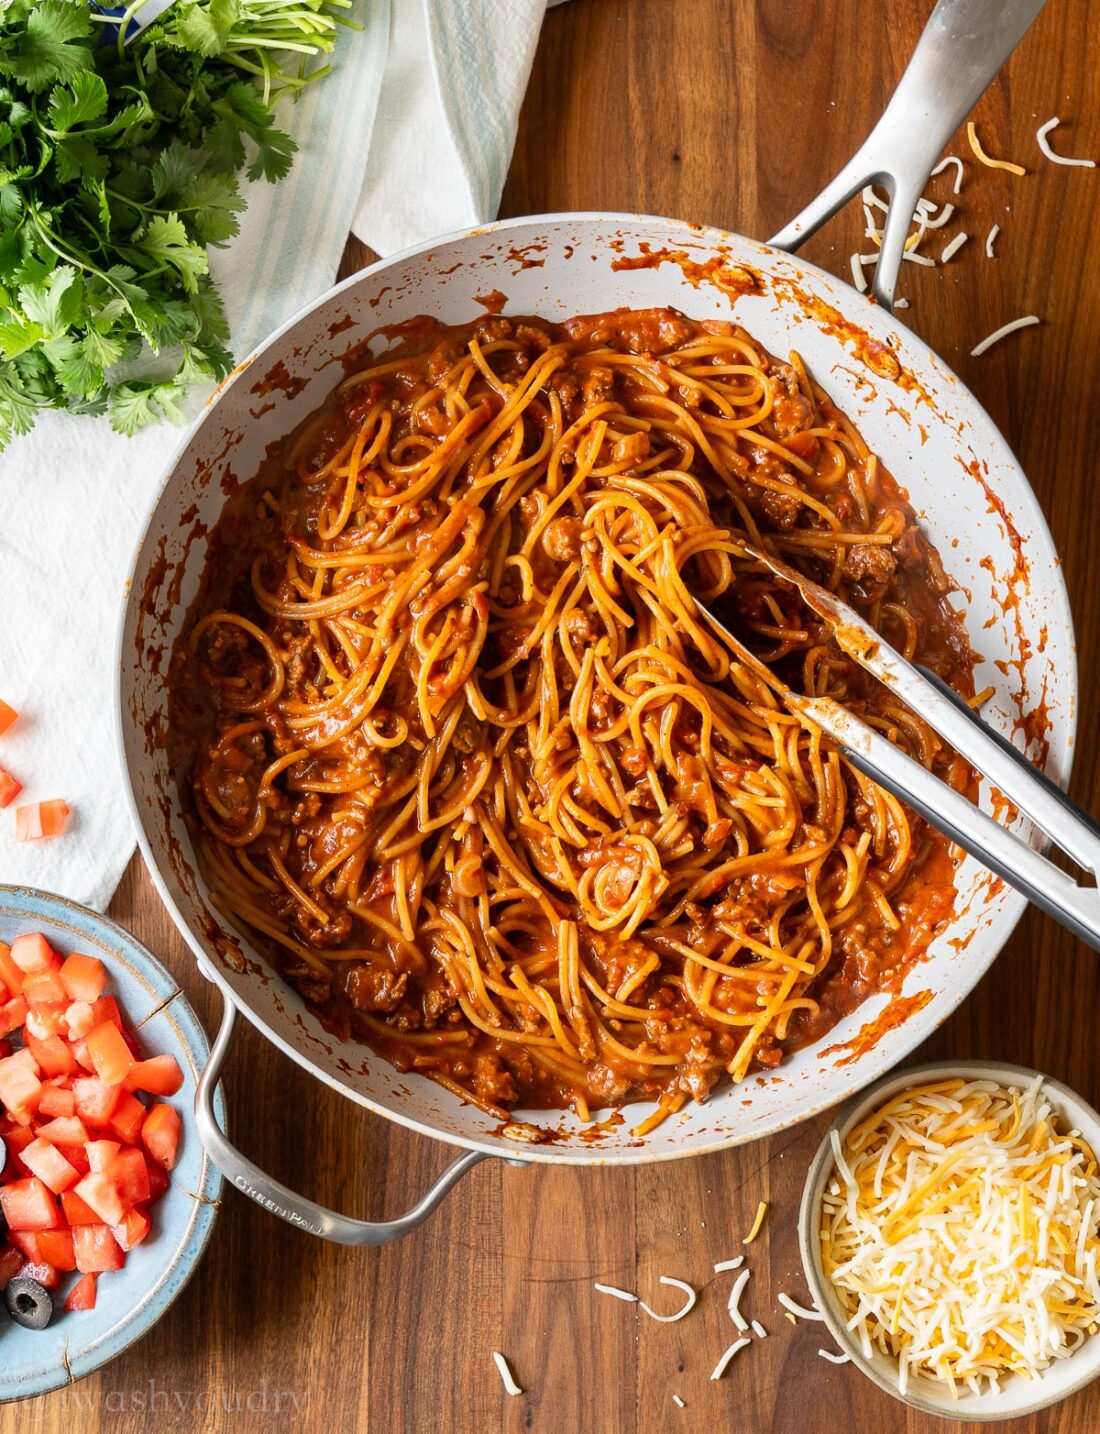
(915, 258)
(1003, 332)
(834, 1358)
(723, 1265)
(616, 1293)
(761, 1211)
(950, 250)
(799, 1311)
(506, 1376)
(1041, 135)
(942, 218)
(901, 303)
(989, 238)
(858, 278)
(962, 1236)
(759, 1330)
(959, 170)
(735, 1300)
(689, 1304)
(720, 1368)
(679, 1403)
(975, 145)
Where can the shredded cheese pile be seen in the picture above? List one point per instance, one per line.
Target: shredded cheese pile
(960, 1231)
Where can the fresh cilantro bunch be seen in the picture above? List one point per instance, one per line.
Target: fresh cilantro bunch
(118, 169)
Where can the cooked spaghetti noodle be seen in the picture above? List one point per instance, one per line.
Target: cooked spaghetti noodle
(464, 754)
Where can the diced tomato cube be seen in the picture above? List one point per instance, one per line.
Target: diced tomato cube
(97, 1249)
(53, 1055)
(77, 1156)
(101, 1153)
(80, 1050)
(46, 1275)
(28, 1205)
(128, 1118)
(84, 977)
(160, 1134)
(56, 1100)
(11, 1262)
(47, 1019)
(80, 1018)
(158, 1180)
(105, 1008)
(56, 1248)
(26, 1242)
(109, 1053)
(98, 1191)
(8, 715)
(64, 1130)
(82, 1294)
(17, 1139)
(32, 952)
(131, 1177)
(77, 1211)
(159, 1075)
(41, 819)
(19, 1086)
(46, 1161)
(10, 787)
(44, 987)
(10, 973)
(133, 1229)
(12, 1015)
(95, 1099)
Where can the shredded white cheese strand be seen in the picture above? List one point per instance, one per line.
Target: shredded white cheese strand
(858, 278)
(799, 1311)
(506, 1376)
(735, 1300)
(835, 1358)
(1003, 332)
(962, 1236)
(951, 249)
(723, 1265)
(759, 1330)
(720, 1368)
(1041, 135)
(689, 1304)
(989, 240)
(679, 1403)
(616, 1293)
(959, 170)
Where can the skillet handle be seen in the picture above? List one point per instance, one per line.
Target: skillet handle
(272, 1195)
(958, 55)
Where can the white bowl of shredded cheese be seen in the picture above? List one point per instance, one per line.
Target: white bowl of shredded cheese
(950, 1232)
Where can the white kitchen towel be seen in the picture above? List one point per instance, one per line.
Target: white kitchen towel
(75, 495)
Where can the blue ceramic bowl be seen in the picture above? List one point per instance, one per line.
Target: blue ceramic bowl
(131, 1300)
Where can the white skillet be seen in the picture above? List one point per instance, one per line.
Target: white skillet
(973, 500)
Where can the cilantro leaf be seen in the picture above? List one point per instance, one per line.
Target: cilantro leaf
(50, 47)
(55, 302)
(166, 241)
(83, 99)
(205, 28)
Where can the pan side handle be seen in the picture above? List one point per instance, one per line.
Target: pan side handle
(959, 53)
(297, 1209)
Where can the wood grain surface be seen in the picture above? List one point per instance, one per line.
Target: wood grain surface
(732, 113)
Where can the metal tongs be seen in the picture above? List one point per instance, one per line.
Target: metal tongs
(1033, 793)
